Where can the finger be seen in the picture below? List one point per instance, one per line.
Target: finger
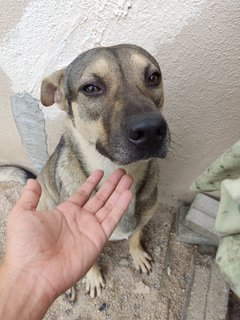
(30, 195)
(124, 184)
(83, 194)
(100, 198)
(111, 220)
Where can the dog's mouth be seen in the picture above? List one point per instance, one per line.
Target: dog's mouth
(141, 139)
(123, 155)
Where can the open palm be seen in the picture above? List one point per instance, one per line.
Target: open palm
(60, 245)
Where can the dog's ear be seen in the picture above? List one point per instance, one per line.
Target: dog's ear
(52, 89)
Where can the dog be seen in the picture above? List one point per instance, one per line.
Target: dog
(113, 97)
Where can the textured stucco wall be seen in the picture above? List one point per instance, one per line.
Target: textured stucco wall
(196, 43)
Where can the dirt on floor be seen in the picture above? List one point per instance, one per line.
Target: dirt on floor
(128, 294)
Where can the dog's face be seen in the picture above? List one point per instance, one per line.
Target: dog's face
(114, 97)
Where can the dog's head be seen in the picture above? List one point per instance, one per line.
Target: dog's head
(114, 97)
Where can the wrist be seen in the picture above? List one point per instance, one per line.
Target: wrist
(23, 294)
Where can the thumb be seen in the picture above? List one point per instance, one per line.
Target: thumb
(30, 195)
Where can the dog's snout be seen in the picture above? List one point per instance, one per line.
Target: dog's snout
(146, 130)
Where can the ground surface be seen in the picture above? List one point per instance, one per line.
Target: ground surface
(162, 294)
(129, 294)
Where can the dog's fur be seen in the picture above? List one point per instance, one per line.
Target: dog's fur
(104, 91)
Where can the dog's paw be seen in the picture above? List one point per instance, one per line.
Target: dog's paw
(141, 260)
(94, 283)
(71, 295)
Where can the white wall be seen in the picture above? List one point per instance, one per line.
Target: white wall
(196, 43)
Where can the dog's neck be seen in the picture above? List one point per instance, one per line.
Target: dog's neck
(86, 151)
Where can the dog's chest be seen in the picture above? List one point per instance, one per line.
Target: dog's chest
(96, 161)
(118, 234)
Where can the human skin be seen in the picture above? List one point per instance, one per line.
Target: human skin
(48, 252)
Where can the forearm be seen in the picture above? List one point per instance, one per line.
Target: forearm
(22, 296)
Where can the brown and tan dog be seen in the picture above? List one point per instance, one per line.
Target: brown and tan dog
(113, 97)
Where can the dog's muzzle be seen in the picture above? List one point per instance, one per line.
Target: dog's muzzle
(147, 130)
(143, 136)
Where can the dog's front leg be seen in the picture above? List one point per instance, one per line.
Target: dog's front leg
(141, 259)
(94, 281)
(94, 284)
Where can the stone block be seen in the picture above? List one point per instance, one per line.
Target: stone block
(198, 296)
(202, 216)
(185, 234)
(218, 295)
(206, 204)
(207, 298)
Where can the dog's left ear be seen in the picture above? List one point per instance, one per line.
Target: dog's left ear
(52, 89)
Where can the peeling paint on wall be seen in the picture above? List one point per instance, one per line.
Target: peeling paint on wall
(30, 123)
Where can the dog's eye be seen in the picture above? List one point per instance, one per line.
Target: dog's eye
(154, 79)
(92, 89)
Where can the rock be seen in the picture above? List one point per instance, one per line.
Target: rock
(141, 288)
(124, 262)
(103, 306)
(169, 271)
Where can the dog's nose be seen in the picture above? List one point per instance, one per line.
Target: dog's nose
(146, 130)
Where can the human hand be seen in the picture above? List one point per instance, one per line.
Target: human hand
(57, 247)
